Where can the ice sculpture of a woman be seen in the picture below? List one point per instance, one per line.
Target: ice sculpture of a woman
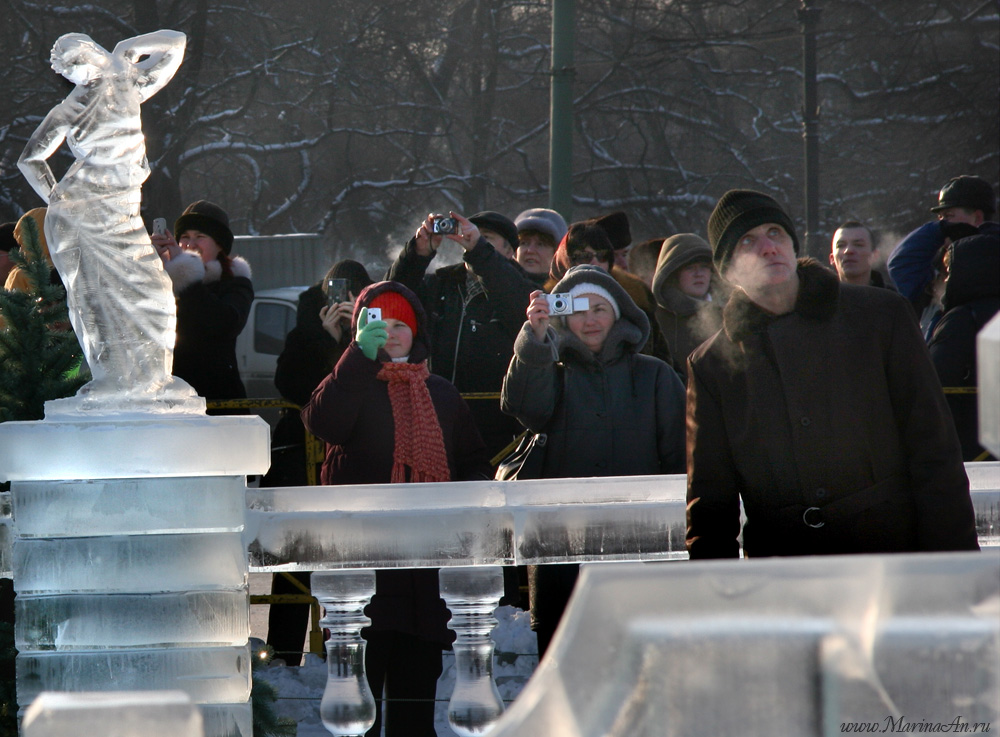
(121, 303)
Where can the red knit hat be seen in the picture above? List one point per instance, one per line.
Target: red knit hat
(394, 305)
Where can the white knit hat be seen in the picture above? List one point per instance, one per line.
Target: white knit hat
(578, 290)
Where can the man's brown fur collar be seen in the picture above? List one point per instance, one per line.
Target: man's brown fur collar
(817, 300)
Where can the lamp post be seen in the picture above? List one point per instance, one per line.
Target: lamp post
(561, 109)
(809, 18)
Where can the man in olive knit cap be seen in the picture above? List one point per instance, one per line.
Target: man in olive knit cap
(816, 406)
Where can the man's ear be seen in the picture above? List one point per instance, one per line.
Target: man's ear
(833, 261)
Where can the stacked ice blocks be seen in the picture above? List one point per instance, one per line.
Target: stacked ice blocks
(135, 579)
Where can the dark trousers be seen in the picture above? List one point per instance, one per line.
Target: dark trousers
(287, 623)
(407, 668)
(550, 587)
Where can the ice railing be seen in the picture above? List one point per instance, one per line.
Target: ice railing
(469, 530)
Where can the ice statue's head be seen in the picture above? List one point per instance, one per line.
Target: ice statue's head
(78, 58)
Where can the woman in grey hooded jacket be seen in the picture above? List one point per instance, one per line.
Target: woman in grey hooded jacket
(689, 296)
(607, 409)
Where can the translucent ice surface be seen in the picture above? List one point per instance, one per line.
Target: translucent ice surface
(134, 448)
(120, 300)
(793, 646)
(988, 374)
(130, 506)
(132, 564)
(497, 523)
(96, 621)
(467, 523)
(208, 675)
(117, 714)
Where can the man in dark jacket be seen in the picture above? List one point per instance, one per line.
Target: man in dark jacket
(817, 405)
(966, 206)
(971, 298)
(475, 310)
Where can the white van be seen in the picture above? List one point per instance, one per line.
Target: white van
(272, 316)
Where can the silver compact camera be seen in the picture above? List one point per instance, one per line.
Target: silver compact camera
(374, 313)
(445, 225)
(565, 304)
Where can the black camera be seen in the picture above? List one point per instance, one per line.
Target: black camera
(445, 225)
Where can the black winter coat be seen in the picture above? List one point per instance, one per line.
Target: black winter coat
(472, 337)
(211, 313)
(829, 415)
(971, 298)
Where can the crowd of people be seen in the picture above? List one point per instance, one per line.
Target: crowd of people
(809, 393)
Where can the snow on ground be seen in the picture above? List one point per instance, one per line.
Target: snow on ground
(301, 688)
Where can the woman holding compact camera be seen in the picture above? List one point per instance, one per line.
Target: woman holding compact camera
(607, 409)
(387, 419)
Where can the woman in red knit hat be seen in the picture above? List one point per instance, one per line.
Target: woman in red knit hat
(387, 419)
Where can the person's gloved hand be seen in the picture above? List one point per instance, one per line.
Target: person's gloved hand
(371, 335)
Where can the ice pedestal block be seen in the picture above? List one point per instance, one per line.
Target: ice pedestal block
(988, 376)
(117, 714)
(128, 558)
(130, 506)
(187, 445)
(115, 621)
(796, 646)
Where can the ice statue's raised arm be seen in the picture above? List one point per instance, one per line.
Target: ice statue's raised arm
(44, 142)
(164, 52)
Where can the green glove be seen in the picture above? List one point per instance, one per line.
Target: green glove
(371, 335)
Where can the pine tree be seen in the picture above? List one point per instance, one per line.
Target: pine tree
(39, 353)
(266, 722)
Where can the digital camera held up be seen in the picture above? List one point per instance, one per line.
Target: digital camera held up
(444, 225)
(566, 304)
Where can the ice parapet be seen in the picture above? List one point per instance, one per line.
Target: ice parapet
(120, 300)
(795, 646)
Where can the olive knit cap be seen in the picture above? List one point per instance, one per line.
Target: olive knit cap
(737, 212)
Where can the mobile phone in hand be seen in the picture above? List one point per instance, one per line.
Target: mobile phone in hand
(160, 226)
(336, 291)
(374, 313)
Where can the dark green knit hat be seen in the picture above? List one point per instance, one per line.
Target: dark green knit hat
(739, 211)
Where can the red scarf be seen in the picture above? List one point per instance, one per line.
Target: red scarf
(419, 442)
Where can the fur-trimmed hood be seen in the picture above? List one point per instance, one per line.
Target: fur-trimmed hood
(187, 268)
(677, 252)
(629, 333)
(819, 290)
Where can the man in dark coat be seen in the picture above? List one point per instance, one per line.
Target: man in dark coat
(475, 310)
(971, 298)
(816, 404)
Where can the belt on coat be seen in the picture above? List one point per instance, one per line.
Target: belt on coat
(836, 511)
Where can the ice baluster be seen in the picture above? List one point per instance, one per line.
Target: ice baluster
(472, 594)
(348, 707)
